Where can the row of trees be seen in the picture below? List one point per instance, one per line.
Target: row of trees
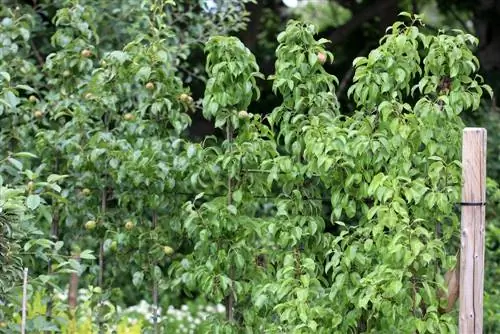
(307, 216)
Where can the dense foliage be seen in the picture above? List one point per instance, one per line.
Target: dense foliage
(302, 218)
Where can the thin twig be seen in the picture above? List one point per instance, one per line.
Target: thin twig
(38, 56)
(348, 75)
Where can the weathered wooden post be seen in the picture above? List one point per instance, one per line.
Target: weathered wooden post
(25, 298)
(472, 231)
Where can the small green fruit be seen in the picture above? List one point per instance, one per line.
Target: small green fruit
(168, 250)
(129, 225)
(33, 98)
(150, 85)
(129, 117)
(243, 114)
(38, 114)
(90, 225)
(86, 191)
(185, 98)
(321, 57)
(86, 53)
(113, 246)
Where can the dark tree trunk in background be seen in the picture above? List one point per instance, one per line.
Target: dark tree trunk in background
(487, 24)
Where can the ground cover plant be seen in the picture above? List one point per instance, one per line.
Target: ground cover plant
(302, 218)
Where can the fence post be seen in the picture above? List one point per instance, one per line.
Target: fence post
(24, 302)
(472, 231)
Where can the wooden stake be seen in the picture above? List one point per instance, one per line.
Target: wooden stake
(73, 287)
(472, 231)
(25, 297)
(155, 284)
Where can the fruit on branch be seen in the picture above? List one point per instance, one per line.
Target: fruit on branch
(185, 98)
(38, 113)
(129, 225)
(150, 86)
(86, 191)
(90, 225)
(321, 57)
(33, 98)
(86, 53)
(129, 117)
(243, 114)
(168, 250)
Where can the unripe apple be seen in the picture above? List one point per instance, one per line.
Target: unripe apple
(150, 85)
(86, 191)
(66, 73)
(129, 117)
(321, 57)
(168, 250)
(86, 53)
(113, 246)
(38, 114)
(33, 98)
(90, 225)
(129, 225)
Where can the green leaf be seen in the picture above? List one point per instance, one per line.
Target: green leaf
(18, 164)
(54, 178)
(137, 278)
(87, 255)
(232, 209)
(33, 201)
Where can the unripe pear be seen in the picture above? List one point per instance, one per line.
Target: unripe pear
(321, 57)
(129, 117)
(129, 225)
(243, 114)
(86, 53)
(168, 250)
(90, 225)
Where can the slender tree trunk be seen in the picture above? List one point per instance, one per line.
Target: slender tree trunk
(230, 296)
(101, 252)
(73, 288)
(155, 284)
(54, 232)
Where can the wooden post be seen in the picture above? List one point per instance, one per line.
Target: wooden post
(25, 298)
(472, 231)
